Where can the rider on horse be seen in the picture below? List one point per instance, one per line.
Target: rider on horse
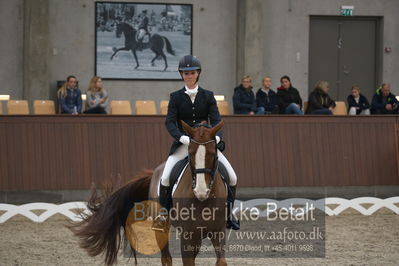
(143, 27)
(192, 104)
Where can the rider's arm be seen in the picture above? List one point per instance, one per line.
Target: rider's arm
(171, 119)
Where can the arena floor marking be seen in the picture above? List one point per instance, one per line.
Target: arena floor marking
(9, 210)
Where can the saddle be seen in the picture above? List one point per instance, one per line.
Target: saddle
(181, 165)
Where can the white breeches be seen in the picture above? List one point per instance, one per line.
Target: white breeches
(141, 34)
(352, 111)
(182, 152)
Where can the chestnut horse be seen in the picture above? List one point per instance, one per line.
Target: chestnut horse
(200, 186)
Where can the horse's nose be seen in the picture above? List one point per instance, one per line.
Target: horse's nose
(202, 195)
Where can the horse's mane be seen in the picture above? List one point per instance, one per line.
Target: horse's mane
(128, 24)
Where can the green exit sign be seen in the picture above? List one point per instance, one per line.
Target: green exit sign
(347, 10)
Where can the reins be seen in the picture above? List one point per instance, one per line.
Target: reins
(211, 171)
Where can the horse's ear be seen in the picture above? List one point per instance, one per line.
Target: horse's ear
(189, 130)
(216, 128)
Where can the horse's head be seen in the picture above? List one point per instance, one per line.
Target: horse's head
(123, 27)
(203, 158)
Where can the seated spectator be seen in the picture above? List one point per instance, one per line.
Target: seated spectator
(319, 102)
(384, 102)
(244, 99)
(358, 103)
(70, 97)
(266, 97)
(288, 98)
(97, 97)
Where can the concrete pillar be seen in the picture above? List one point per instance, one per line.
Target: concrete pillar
(36, 50)
(241, 21)
(250, 46)
(11, 59)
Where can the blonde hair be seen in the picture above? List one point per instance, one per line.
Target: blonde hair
(61, 93)
(321, 84)
(92, 85)
(246, 77)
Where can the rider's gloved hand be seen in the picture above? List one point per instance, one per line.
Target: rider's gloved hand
(217, 139)
(185, 139)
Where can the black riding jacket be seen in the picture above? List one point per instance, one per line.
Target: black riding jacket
(180, 108)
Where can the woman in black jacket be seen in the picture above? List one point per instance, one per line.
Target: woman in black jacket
(288, 98)
(358, 103)
(319, 102)
(192, 104)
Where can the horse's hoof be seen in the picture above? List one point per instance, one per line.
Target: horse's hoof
(136, 67)
(152, 64)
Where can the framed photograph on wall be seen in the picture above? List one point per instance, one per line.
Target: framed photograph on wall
(141, 41)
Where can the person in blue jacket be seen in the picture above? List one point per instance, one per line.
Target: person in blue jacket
(244, 102)
(70, 97)
(266, 97)
(384, 102)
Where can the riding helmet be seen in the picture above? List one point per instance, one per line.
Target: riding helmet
(188, 63)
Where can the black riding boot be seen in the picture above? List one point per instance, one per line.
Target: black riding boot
(159, 223)
(232, 222)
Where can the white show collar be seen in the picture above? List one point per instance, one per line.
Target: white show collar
(192, 92)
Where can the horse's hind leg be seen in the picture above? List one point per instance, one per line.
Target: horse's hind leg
(155, 58)
(164, 59)
(218, 244)
(135, 57)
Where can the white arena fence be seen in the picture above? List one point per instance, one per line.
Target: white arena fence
(7, 211)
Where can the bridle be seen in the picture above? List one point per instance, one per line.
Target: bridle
(211, 171)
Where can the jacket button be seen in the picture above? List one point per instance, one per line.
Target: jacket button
(193, 107)
(193, 115)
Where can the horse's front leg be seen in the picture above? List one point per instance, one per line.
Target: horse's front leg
(166, 259)
(135, 57)
(218, 243)
(189, 250)
(117, 50)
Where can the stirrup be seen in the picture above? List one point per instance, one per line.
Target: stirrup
(159, 223)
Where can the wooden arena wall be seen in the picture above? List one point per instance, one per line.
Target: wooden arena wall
(71, 152)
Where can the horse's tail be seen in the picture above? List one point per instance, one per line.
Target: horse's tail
(169, 48)
(99, 232)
